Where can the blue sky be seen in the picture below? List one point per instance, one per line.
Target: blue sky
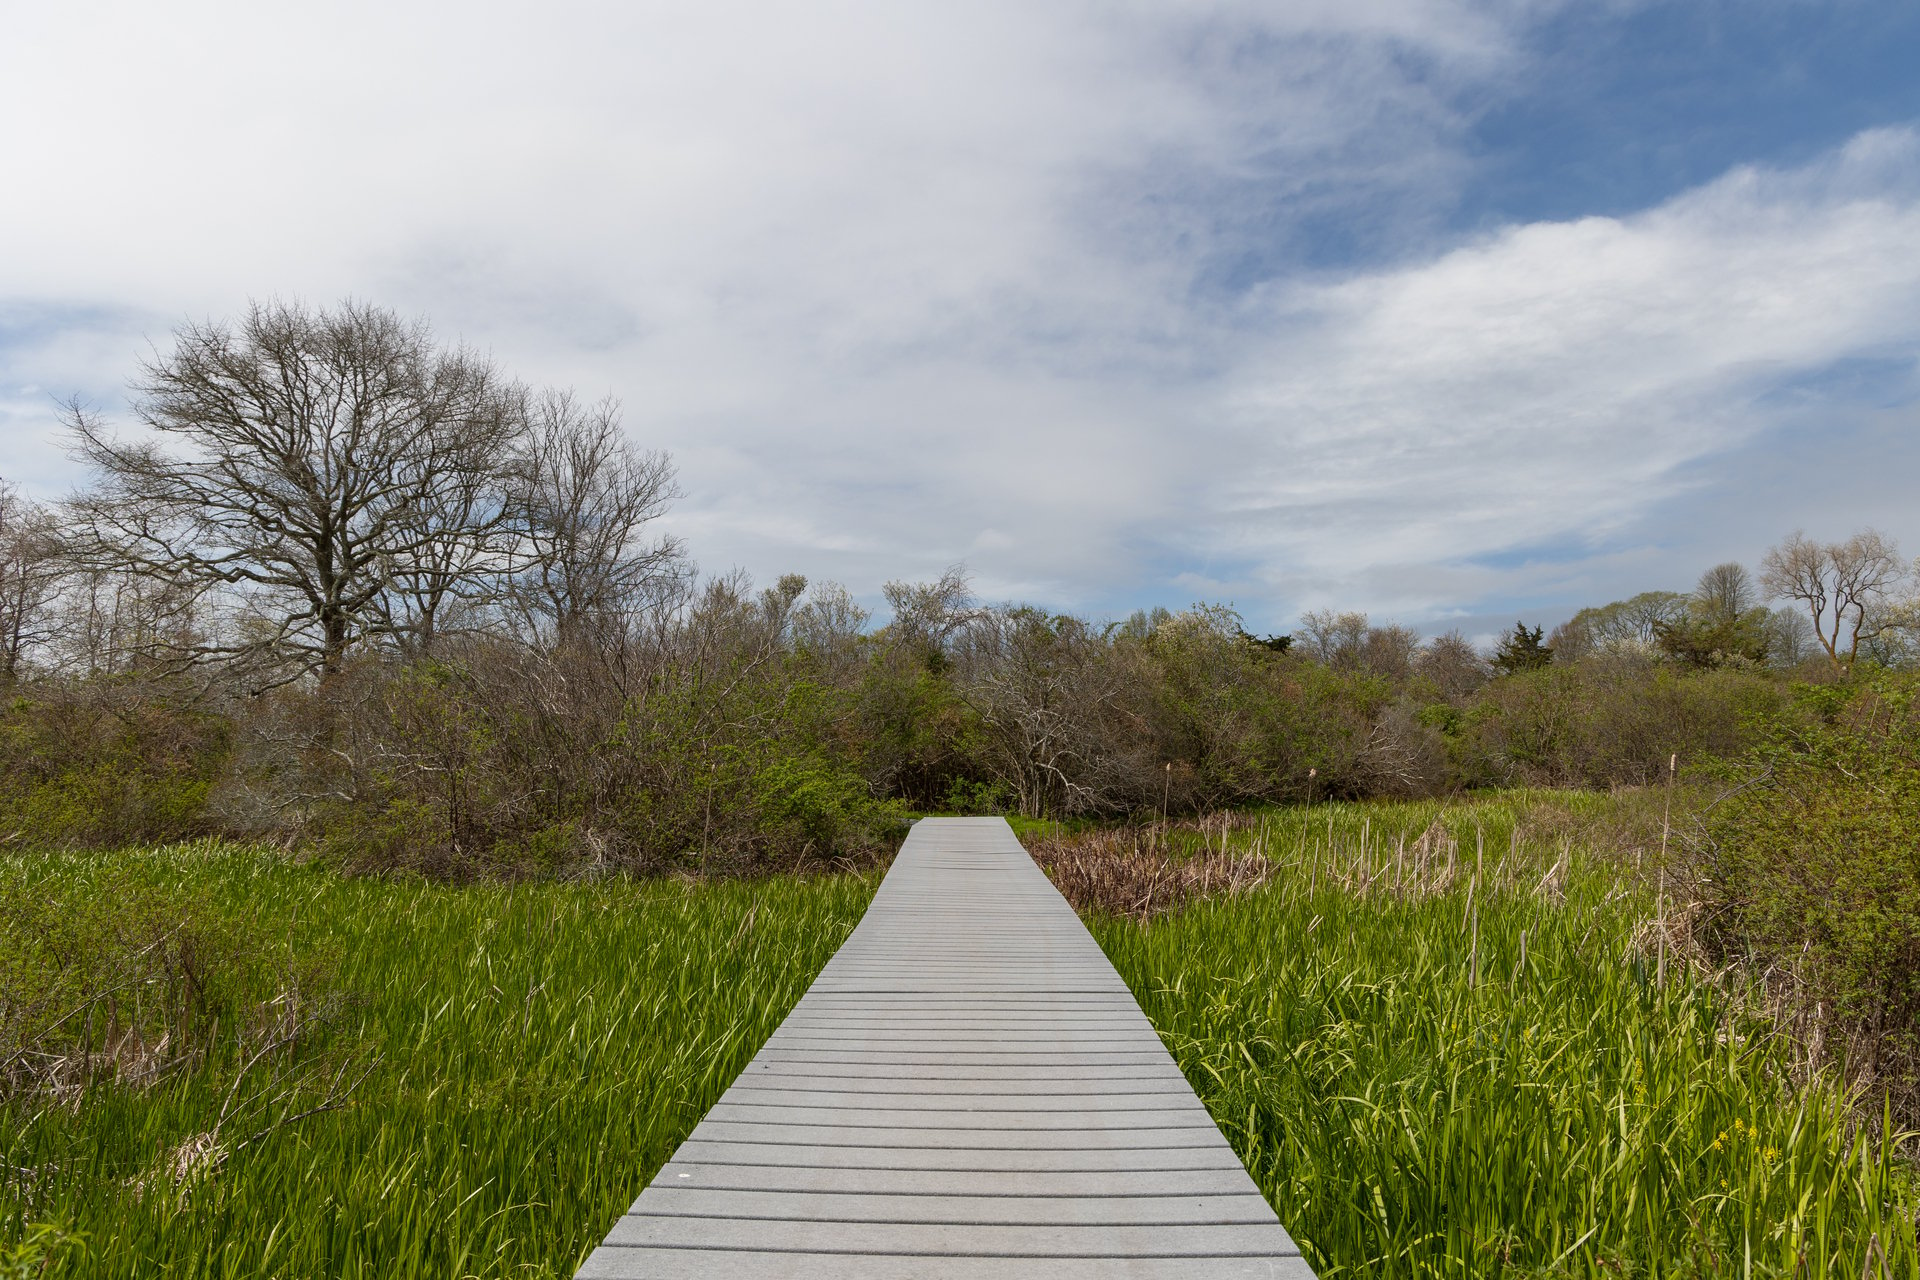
(1449, 311)
(1624, 110)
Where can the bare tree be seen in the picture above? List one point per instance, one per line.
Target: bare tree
(31, 570)
(1639, 618)
(457, 551)
(1725, 593)
(1051, 707)
(112, 622)
(1456, 668)
(1631, 625)
(1335, 639)
(927, 615)
(583, 499)
(828, 630)
(1790, 638)
(1389, 651)
(1348, 642)
(1891, 632)
(312, 449)
(1841, 585)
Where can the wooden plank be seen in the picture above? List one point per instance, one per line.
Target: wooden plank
(1047, 1098)
(951, 1239)
(1099, 1208)
(1218, 1181)
(1087, 1136)
(705, 1153)
(700, 1264)
(968, 1090)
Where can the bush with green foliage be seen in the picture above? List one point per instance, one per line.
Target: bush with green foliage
(1611, 720)
(1813, 862)
(490, 761)
(106, 762)
(749, 730)
(1701, 638)
(1243, 722)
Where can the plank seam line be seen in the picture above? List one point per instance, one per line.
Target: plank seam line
(952, 1093)
(948, 1253)
(1105, 1111)
(969, 1128)
(987, 1053)
(868, 1146)
(997, 1171)
(696, 1187)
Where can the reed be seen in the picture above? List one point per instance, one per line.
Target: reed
(1443, 1047)
(532, 1054)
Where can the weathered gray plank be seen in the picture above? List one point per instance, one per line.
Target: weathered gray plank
(953, 1239)
(938, 1076)
(1050, 1099)
(1030, 1060)
(1086, 1137)
(701, 1264)
(968, 1090)
(706, 1152)
(1098, 1209)
(1219, 1181)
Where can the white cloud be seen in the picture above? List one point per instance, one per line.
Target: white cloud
(1553, 382)
(904, 284)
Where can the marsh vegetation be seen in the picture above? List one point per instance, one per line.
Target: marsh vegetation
(1473, 1039)
(402, 843)
(221, 1062)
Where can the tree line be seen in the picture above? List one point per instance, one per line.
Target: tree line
(350, 586)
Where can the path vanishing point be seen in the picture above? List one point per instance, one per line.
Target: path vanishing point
(968, 1090)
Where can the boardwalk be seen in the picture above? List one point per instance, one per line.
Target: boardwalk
(967, 1090)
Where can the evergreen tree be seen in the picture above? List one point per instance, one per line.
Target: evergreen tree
(1522, 651)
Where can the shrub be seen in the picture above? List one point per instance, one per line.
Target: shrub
(105, 763)
(110, 967)
(489, 759)
(1244, 722)
(1815, 864)
(965, 796)
(1611, 720)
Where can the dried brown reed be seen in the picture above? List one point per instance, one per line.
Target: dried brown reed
(1130, 871)
(1148, 870)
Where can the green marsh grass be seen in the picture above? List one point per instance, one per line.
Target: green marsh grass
(1465, 1064)
(531, 1054)
(1436, 1061)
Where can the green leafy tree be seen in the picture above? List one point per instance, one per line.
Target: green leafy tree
(1708, 642)
(1722, 624)
(1624, 626)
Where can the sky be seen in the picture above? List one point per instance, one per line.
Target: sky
(1452, 312)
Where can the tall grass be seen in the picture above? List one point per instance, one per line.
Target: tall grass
(1473, 1069)
(1438, 1037)
(526, 1056)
